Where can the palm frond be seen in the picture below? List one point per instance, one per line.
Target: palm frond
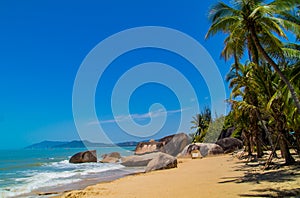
(220, 10)
(222, 25)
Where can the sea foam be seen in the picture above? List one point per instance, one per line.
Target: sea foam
(55, 174)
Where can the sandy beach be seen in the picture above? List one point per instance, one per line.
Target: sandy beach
(219, 176)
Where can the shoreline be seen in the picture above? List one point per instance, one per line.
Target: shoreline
(177, 182)
(82, 185)
(58, 191)
(48, 172)
(215, 176)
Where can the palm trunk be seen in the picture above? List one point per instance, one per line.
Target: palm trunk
(236, 64)
(297, 135)
(267, 131)
(285, 151)
(259, 150)
(254, 125)
(276, 68)
(247, 142)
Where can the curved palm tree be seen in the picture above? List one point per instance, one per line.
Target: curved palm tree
(250, 25)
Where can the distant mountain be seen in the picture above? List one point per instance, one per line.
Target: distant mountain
(76, 144)
(127, 144)
(82, 144)
(45, 144)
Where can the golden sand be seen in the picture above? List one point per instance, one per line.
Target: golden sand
(192, 178)
(219, 176)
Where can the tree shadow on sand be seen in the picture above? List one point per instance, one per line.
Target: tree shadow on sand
(280, 175)
(256, 175)
(272, 192)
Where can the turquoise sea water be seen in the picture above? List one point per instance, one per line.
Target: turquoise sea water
(26, 172)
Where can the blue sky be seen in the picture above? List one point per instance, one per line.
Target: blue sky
(43, 44)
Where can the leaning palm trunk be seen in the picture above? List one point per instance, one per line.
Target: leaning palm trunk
(257, 136)
(247, 141)
(255, 133)
(285, 151)
(297, 135)
(283, 142)
(254, 123)
(266, 131)
(276, 68)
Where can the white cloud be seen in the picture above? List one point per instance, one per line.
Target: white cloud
(153, 114)
(193, 99)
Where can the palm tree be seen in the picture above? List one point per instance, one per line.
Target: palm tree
(242, 125)
(279, 105)
(258, 97)
(250, 25)
(247, 108)
(201, 123)
(272, 96)
(293, 117)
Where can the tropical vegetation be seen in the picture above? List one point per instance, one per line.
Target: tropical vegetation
(200, 124)
(262, 39)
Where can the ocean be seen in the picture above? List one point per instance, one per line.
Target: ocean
(36, 172)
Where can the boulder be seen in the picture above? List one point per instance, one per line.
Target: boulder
(84, 157)
(113, 157)
(148, 147)
(109, 160)
(166, 139)
(175, 144)
(172, 144)
(230, 144)
(162, 161)
(184, 152)
(138, 160)
(113, 154)
(204, 148)
(192, 147)
(209, 149)
(215, 150)
(226, 133)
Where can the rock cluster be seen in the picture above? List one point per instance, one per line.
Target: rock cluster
(157, 155)
(161, 154)
(206, 149)
(171, 145)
